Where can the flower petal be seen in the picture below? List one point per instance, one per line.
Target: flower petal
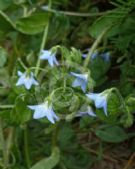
(93, 96)
(100, 101)
(83, 86)
(19, 73)
(90, 112)
(76, 83)
(45, 54)
(20, 81)
(50, 117)
(28, 83)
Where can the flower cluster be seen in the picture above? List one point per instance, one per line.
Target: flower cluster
(46, 109)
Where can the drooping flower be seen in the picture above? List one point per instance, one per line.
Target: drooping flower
(81, 80)
(26, 79)
(47, 55)
(105, 56)
(99, 99)
(44, 110)
(89, 112)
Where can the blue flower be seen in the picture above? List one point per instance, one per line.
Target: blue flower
(106, 56)
(26, 79)
(89, 112)
(100, 100)
(94, 55)
(81, 80)
(47, 55)
(44, 110)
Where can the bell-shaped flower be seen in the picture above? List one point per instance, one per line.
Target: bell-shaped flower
(48, 55)
(89, 112)
(44, 110)
(99, 99)
(26, 79)
(81, 80)
(105, 56)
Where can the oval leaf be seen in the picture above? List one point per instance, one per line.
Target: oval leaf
(33, 24)
(112, 134)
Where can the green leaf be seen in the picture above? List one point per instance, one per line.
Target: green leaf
(4, 4)
(114, 104)
(50, 162)
(3, 57)
(6, 24)
(66, 137)
(111, 19)
(130, 102)
(98, 68)
(20, 113)
(32, 24)
(112, 134)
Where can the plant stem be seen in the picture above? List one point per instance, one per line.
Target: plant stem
(22, 64)
(9, 144)
(26, 148)
(6, 106)
(44, 39)
(94, 46)
(55, 134)
(2, 144)
(130, 162)
(79, 14)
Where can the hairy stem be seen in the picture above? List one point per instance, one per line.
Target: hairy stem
(6, 106)
(55, 134)
(79, 14)
(26, 148)
(94, 46)
(9, 143)
(2, 144)
(44, 39)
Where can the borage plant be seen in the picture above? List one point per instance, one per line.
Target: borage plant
(51, 95)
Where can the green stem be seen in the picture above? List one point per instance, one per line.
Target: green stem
(42, 44)
(95, 45)
(55, 134)
(22, 64)
(2, 144)
(26, 148)
(79, 14)
(9, 143)
(6, 106)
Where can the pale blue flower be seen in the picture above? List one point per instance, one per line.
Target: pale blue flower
(106, 56)
(100, 100)
(45, 7)
(81, 80)
(44, 110)
(89, 112)
(93, 56)
(48, 55)
(26, 79)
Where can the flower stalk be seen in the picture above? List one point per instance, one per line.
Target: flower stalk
(95, 45)
(44, 39)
